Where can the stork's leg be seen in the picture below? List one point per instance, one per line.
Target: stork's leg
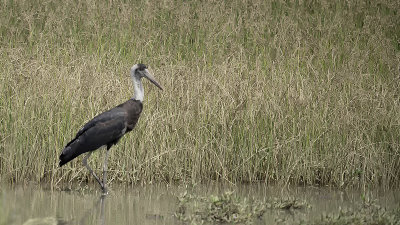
(105, 173)
(91, 171)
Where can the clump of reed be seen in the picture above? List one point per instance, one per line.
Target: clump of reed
(290, 93)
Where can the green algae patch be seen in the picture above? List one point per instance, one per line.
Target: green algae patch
(369, 213)
(229, 208)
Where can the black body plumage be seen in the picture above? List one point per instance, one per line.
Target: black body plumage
(106, 128)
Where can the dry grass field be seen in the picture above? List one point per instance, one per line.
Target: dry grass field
(286, 92)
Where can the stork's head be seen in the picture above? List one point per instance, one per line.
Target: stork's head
(140, 70)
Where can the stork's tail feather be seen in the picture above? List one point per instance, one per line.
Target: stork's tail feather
(70, 152)
(65, 156)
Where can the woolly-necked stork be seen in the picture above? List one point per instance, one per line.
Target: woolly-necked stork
(107, 128)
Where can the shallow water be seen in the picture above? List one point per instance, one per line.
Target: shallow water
(156, 204)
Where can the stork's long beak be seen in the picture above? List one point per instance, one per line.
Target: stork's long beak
(148, 75)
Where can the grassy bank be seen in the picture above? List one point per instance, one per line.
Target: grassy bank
(293, 93)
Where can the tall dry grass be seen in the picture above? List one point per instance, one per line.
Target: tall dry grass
(284, 92)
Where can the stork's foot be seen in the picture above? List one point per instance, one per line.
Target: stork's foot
(104, 190)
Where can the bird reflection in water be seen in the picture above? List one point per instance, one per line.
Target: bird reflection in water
(98, 205)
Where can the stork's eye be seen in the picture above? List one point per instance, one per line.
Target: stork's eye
(141, 67)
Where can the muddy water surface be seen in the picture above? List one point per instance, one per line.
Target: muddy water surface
(157, 204)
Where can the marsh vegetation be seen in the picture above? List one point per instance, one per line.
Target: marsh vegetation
(230, 208)
(301, 93)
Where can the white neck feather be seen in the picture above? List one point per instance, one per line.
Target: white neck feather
(138, 89)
